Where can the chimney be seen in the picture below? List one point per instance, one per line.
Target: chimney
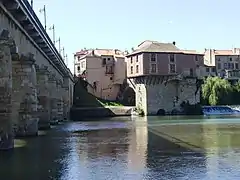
(174, 43)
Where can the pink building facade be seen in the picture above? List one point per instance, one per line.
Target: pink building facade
(153, 58)
(164, 76)
(103, 69)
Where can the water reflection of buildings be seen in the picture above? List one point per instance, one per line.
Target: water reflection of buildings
(138, 144)
(128, 145)
(210, 143)
(103, 142)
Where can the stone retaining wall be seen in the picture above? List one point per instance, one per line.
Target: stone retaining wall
(167, 96)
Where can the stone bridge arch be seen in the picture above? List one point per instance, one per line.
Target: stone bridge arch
(129, 96)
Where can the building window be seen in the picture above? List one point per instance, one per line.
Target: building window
(137, 69)
(153, 68)
(153, 57)
(213, 69)
(219, 59)
(104, 61)
(236, 66)
(82, 64)
(191, 72)
(78, 68)
(230, 59)
(131, 60)
(172, 68)
(207, 69)
(225, 65)
(219, 66)
(109, 70)
(109, 59)
(172, 57)
(131, 69)
(137, 58)
(196, 58)
(230, 66)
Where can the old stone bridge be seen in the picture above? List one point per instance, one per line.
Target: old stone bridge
(36, 86)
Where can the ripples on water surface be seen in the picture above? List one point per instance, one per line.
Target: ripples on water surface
(131, 149)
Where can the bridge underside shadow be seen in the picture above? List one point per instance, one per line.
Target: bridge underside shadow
(172, 159)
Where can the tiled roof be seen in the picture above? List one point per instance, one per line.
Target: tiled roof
(154, 46)
(192, 52)
(109, 52)
(224, 52)
(100, 52)
(230, 52)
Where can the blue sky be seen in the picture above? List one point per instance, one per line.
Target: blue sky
(124, 24)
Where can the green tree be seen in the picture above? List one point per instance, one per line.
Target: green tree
(236, 94)
(216, 91)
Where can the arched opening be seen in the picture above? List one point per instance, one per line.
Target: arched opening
(161, 112)
(129, 97)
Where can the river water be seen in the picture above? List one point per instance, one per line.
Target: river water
(129, 148)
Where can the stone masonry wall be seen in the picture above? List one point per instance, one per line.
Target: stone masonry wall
(66, 106)
(141, 97)
(167, 96)
(161, 96)
(53, 93)
(6, 133)
(66, 98)
(43, 97)
(187, 90)
(24, 97)
(59, 100)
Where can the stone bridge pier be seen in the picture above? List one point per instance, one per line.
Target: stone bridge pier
(36, 86)
(24, 95)
(31, 96)
(53, 92)
(164, 93)
(43, 94)
(59, 100)
(6, 125)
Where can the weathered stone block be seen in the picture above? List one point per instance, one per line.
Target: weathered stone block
(166, 95)
(43, 93)
(24, 97)
(6, 131)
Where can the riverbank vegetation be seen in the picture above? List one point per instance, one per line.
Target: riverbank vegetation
(218, 91)
(109, 103)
